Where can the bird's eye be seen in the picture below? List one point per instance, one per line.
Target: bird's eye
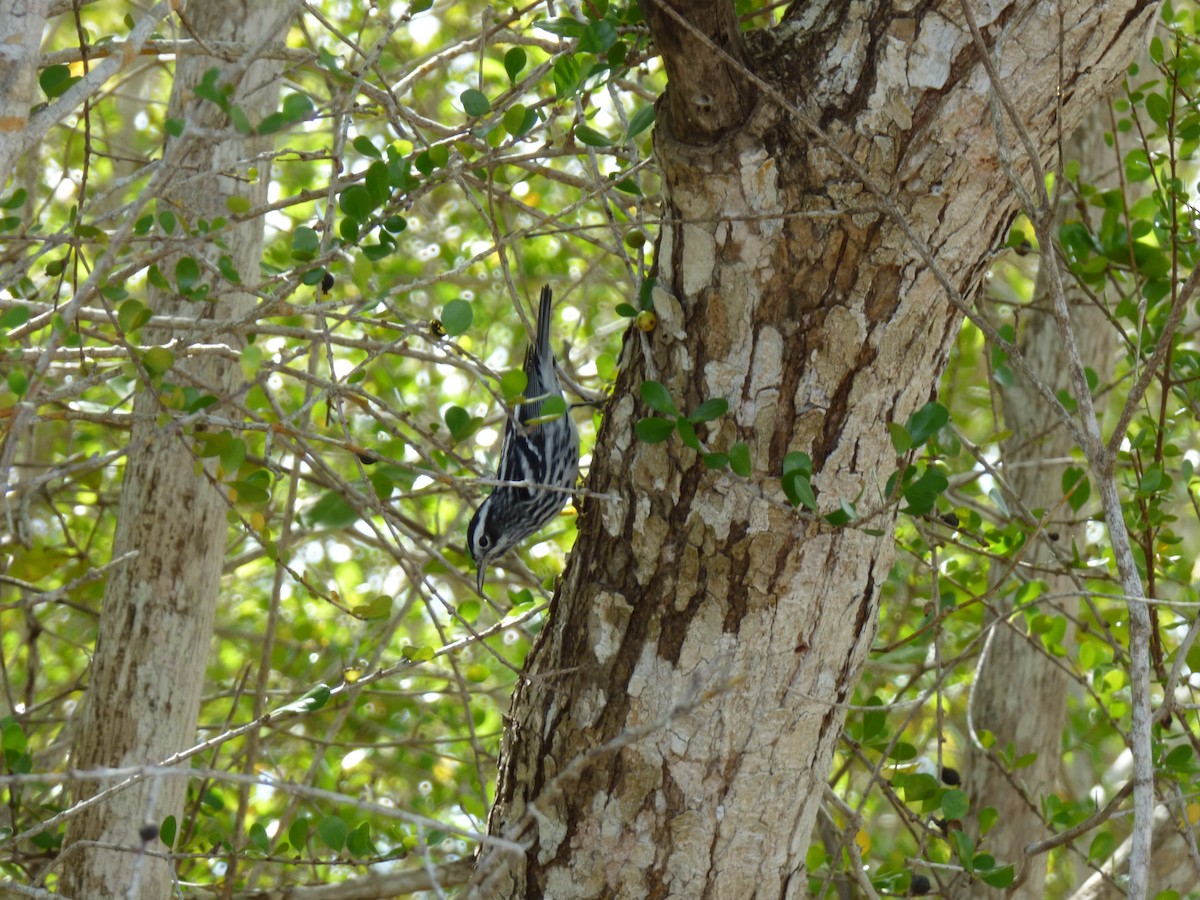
(483, 542)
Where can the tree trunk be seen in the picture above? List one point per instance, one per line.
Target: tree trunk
(684, 699)
(156, 621)
(21, 25)
(1020, 691)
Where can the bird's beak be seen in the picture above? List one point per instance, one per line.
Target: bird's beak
(479, 576)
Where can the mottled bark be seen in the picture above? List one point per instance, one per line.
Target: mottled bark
(682, 705)
(156, 621)
(21, 25)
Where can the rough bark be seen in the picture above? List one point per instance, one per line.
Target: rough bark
(157, 616)
(1020, 691)
(682, 702)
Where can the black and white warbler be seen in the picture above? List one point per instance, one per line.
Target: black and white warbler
(534, 453)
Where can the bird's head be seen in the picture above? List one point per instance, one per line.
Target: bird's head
(487, 538)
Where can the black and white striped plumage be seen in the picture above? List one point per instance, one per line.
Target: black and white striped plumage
(540, 454)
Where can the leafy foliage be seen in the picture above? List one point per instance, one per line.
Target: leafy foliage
(423, 178)
(1129, 250)
(424, 194)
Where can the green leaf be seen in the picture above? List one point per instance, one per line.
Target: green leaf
(166, 832)
(1076, 487)
(797, 480)
(987, 818)
(306, 243)
(207, 89)
(709, 410)
(585, 134)
(964, 848)
(797, 462)
(797, 487)
(15, 317)
(333, 831)
(355, 201)
(553, 407)
(313, 699)
(567, 77)
(1101, 847)
(999, 878)
(1027, 759)
(922, 494)
(518, 119)
(258, 837)
(228, 272)
(359, 841)
(56, 80)
(739, 459)
(457, 316)
(715, 460)
(514, 62)
(598, 37)
(901, 439)
(624, 309)
(416, 654)
(955, 804)
(18, 382)
(475, 103)
(297, 107)
(1137, 165)
(187, 275)
(658, 399)
(1155, 480)
(513, 384)
(132, 315)
(843, 515)
(378, 607)
(158, 360)
(376, 183)
(241, 124)
(12, 736)
(874, 722)
(640, 121)
(687, 434)
(926, 422)
(332, 511)
(14, 200)
(564, 26)
(461, 423)
(1158, 108)
(653, 430)
(298, 833)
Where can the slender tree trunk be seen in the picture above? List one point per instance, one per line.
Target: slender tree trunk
(156, 621)
(685, 697)
(21, 25)
(1020, 689)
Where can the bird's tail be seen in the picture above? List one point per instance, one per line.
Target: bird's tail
(542, 344)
